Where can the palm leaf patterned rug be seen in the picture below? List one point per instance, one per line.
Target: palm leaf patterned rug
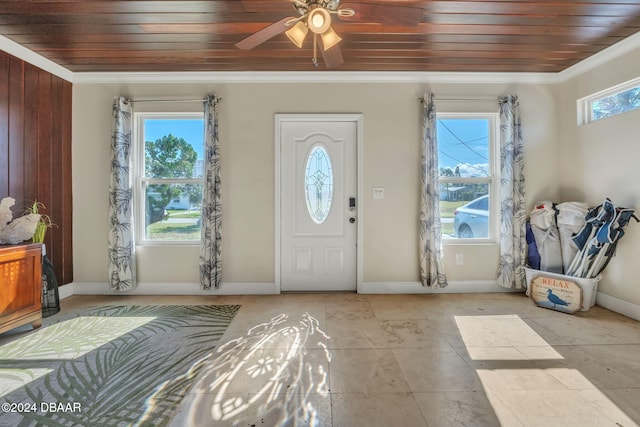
(109, 366)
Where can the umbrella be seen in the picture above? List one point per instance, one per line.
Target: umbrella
(598, 239)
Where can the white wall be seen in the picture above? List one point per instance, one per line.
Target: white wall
(600, 160)
(392, 123)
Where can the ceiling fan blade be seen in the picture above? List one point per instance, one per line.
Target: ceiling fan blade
(332, 57)
(384, 14)
(264, 34)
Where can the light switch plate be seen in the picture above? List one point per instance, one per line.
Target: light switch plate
(378, 192)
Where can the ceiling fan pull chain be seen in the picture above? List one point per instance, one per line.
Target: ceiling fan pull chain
(315, 51)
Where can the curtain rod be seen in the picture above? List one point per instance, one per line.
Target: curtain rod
(463, 98)
(171, 100)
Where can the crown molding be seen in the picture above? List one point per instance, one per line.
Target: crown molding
(625, 45)
(313, 77)
(35, 59)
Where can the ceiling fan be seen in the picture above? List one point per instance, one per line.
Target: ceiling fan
(316, 16)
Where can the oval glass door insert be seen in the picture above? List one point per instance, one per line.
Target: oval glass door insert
(318, 184)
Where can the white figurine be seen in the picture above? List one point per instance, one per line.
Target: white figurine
(18, 230)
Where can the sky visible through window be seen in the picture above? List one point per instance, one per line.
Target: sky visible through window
(464, 143)
(191, 130)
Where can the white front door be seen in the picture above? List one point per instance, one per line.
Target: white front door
(318, 210)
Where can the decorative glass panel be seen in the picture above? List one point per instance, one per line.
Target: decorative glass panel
(318, 184)
(616, 104)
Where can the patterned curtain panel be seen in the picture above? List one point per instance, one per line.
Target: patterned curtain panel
(431, 269)
(512, 204)
(122, 263)
(211, 231)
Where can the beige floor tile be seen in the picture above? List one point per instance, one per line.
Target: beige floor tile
(578, 369)
(515, 375)
(584, 331)
(506, 354)
(355, 334)
(462, 305)
(497, 331)
(316, 309)
(396, 310)
(462, 408)
(548, 336)
(257, 370)
(334, 297)
(436, 369)
(448, 328)
(618, 405)
(412, 334)
(303, 296)
(395, 298)
(623, 359)
(375, 410)
(198, 299)
(301, 330)
(562, 408)
(247, 409)
(348, 311)
(365, 371)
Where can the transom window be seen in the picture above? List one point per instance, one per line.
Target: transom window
(170, 164)
(610, 102)
(466, 147)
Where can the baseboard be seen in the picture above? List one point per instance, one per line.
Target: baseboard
(458, 287)
(65, 291)
(226, 288)
(619, 306)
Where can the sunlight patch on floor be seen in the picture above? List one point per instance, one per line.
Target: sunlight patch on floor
(504, 350)
(274, 372)
(12, 380)
(499, 331)
(70, 339)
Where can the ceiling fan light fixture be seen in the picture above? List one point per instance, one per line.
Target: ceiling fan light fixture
(330, 38)
(297, 33)
(319, 20)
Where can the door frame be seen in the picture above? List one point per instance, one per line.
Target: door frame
(279, 119)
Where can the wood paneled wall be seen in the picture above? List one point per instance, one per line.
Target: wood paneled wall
(35, 151)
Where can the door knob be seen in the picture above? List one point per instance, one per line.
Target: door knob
(352, 220)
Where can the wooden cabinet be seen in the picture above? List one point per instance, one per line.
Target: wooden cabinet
(20, 285)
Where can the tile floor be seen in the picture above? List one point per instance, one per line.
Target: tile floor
(349, 360)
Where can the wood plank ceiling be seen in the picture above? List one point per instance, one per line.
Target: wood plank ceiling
(200, 35)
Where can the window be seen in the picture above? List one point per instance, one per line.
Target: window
(610, 102)
(170, 168)
(466, 157)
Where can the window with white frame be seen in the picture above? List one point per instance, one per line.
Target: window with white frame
(170, 168)
(466, 162)
(610, 102)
